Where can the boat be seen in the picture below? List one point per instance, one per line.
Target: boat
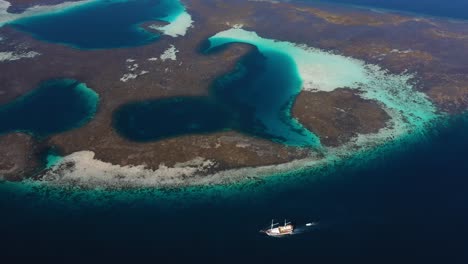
(279, 231)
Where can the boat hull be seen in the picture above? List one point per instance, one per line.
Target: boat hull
(279, 231)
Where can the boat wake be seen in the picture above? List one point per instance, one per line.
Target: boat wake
(289, 229)
(309, 227)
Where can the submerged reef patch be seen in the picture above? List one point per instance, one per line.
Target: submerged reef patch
(323, 71)
(255, 99)
(411, 114)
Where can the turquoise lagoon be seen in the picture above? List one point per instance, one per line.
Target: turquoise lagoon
(54, 106)
(255, 99)
(401, 198)
(102, 24)
(318, 70)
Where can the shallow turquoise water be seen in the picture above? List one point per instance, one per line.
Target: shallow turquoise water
(261, 92)
(318, 70)
(52, 158)
(53, 107)
(404, 202)
(102, 24)
(254, 99)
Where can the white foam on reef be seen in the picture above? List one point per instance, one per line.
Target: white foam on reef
(178, 27)
(82, 169)
(318, 69)
(6, 17)
(169, 54)
(128, 76)
(411, 114)
(133, 74)
(12, 56)
(179, 22)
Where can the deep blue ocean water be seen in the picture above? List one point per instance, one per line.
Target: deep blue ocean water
(404, 206)
(407, 206)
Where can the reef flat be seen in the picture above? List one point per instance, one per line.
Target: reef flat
(19, 6)
(13, 10)
(365, 79)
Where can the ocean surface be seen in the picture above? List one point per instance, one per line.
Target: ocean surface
(406, 206)
(403, 205)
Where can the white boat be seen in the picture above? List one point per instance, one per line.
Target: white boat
(278, 231)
